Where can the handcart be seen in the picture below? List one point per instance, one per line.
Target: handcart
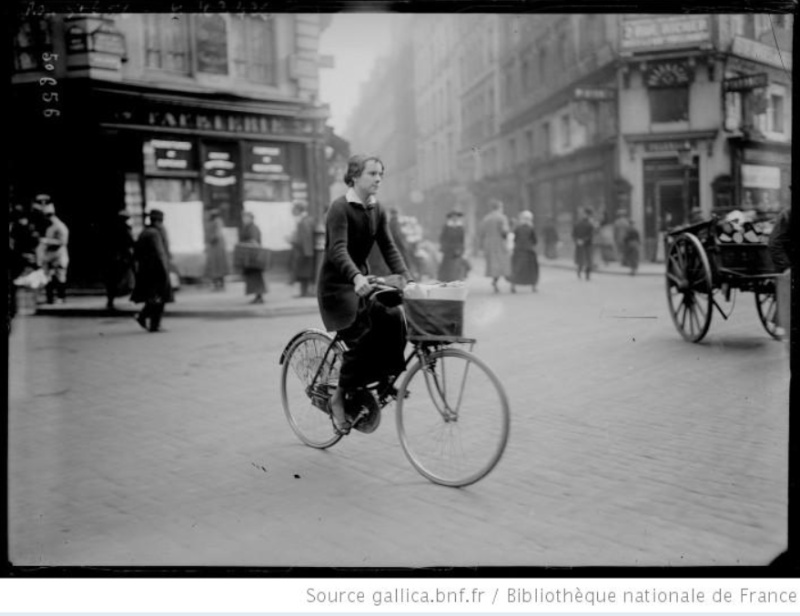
(702, 270)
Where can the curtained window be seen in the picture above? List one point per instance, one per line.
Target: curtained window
(253, 49)
(166, 42)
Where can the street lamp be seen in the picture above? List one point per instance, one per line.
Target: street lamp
(685, 160)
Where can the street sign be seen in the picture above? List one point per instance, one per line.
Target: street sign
(746, 82)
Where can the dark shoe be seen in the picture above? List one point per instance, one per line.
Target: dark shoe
(495, 287)
(257, 300)
(141, 320)
(340, 427)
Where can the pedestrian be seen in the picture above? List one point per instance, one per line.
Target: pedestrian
(550, 233)
(302, 256)
(524, 260)
(119, 276)
(38, 217)
(54, 255)
(216, 251)
(254, 283)
(780, 246)
(605, 240)
(621, 224)
(632, 243)
(152, 262)
(453, 266)
(583, 236)
(375, 335)
(492, 238)
(23, 243)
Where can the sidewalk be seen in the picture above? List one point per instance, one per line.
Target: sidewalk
(197, 301)
(646, 268)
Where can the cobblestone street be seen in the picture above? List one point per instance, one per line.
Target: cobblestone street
(628, 445)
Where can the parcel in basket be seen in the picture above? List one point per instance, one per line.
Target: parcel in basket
(435, 309)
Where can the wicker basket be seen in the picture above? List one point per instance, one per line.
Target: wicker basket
(434, 317)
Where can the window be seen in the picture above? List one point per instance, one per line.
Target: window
(776, 113)
(669, 104)
(253, 48)
(546, 147)
(566, 133)
(212, 44)
(32, 39)
(512, 152)
(529, 143)
(166, 42)
(543, 63)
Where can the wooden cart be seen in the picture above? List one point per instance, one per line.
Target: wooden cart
(702, 271)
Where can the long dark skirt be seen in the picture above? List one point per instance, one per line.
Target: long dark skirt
(254, 283)
(375, 344)
(453, 268)
(525, 267)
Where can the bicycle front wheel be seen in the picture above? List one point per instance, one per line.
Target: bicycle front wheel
(302, 401)
(453, 424)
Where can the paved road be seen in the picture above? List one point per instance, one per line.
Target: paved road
(628, 446)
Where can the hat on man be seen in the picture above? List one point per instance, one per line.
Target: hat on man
(156, 215)
(454, 214)
(42, 198)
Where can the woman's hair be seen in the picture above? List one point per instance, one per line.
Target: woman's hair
(356, 166)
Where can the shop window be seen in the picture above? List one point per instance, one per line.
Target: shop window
(211, 44)
(32, 39)
(669, 105)
(776, 113)
(566, 133)
(166, 42)
(253, 49)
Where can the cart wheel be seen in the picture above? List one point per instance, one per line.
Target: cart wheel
(767, 306)
(689, 287)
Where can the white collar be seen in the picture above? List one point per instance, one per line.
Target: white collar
(352, 197)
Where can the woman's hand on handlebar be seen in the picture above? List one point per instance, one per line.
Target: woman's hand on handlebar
(362, 285)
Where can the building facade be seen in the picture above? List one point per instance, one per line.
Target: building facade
(186, 113)
(650, 115)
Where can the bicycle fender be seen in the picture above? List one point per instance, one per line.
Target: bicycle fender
(296, 336)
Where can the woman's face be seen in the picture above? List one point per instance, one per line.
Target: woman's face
(369, 181)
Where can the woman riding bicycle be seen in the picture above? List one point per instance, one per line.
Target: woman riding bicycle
(375, 335)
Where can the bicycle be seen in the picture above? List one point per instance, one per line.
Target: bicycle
(444, 439)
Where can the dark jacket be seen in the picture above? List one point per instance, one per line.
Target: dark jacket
(780, 244)
(152, 267)
(351, 230)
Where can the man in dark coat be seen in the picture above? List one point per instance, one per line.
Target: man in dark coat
(303, 249)
(153, 288)
(451, 243)
(375, 335)
(583, 235)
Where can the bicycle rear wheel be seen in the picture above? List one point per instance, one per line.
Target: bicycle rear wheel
(455, 435)
(304, 405)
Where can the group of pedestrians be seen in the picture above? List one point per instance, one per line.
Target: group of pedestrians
(38, 249)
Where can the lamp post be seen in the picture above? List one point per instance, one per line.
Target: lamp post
(685, 160)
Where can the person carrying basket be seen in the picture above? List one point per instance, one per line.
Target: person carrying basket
(375, 334)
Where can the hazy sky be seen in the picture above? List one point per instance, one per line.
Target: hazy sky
(356, 41)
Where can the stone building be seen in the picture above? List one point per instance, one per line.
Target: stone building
(185, 113)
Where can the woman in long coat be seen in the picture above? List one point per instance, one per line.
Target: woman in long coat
(524, 260)
(254, 283)
(216, 252)
(303, 249)
(375, 335)
(492, 235)
(451, 244)
(153, 288)
(119, 278)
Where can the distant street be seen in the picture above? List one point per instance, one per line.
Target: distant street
(628, 446)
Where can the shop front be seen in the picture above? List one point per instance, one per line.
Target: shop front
(137, 150)
(762, 173)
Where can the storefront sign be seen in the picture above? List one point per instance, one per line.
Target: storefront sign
(167, 155)
(761, 176)
(666, 146)
(166, 116)
(753, 50)
(746, 82)
(681, 30)
(667, 75)
(265, 159)
(219, 169)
